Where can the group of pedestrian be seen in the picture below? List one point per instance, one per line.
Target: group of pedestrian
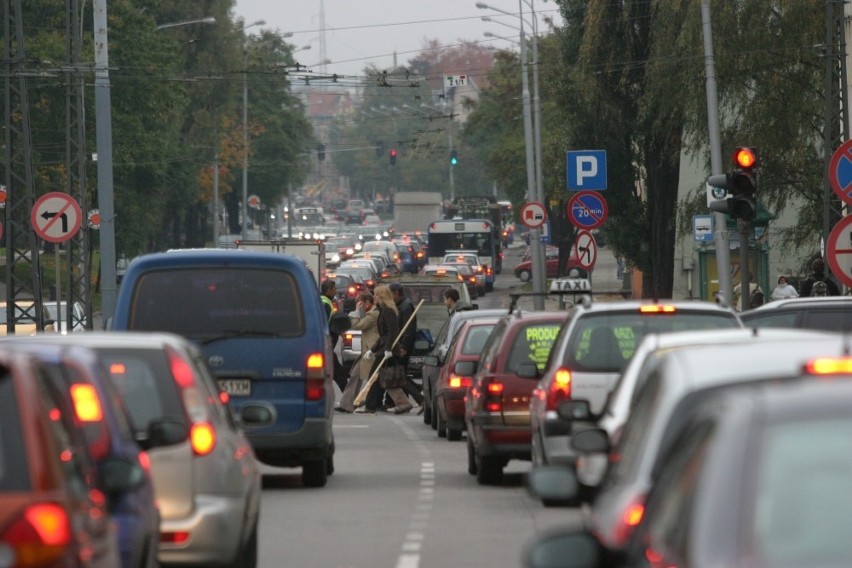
(816, 284)
(380, 316)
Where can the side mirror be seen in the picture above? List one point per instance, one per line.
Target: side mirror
(339, 323)
(120, 475)
(554, 483)
(527, 370)
(564, 549)
(256, 415)
(590, 440)
(431, 360)
(577, 409)
(164, 432)
(465, 368)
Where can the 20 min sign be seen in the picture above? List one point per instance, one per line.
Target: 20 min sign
(587, 210)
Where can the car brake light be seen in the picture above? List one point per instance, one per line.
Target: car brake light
(458, 382)
(87, 405)
(39, 537)
(315, 377)
(117, 368)
(494, 396)
(145, 461)
(657, 309)
(177, 537)
(203, 438)
(631, 518)
(560, 388)
(181, 371)
(829, 366)
(352, 290)
(224, 397)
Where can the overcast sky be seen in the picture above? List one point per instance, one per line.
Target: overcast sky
(363, 32)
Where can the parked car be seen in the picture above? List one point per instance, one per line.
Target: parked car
(456, 376)
(206, 478)
(263, 329)
(60, 316)
(437, 356)
(497, 406)
(523, 270)
(755, 475)
(77, 374)
(53, 504)
(831, 313)
(591, 352)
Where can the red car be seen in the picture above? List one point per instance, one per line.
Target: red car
(451, 384)
(497, 406)
(523, 270)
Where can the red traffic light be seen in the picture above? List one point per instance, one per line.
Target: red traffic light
(393, 152)
(745, 157)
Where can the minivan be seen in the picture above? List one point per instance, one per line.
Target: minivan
(259, 320)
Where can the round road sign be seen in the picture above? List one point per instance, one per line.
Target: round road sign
(533, 214)
(840, 172)
(56, 217)
(586, 249)
(587, 210)
(839, 250)
(254, 201)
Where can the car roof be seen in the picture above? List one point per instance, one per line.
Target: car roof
(806, 302)
(633, 305)
(109, 339)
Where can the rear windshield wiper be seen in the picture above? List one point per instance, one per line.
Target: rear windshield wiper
(232, 333)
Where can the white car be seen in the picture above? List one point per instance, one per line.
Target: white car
(61, 316)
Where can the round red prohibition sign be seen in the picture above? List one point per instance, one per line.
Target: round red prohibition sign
(838, 252)
(587, 210)
(586, 249)
(56, 217)
(840, 172)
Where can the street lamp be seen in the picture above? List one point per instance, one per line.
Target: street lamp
(210, 20)
(245, 125)
(533, 151)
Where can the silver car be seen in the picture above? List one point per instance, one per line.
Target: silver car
(206, 479)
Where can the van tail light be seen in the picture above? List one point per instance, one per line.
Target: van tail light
(87, 405)
(202, 434)
(459, 382)
(40, 536)
(560, 389)
(315, 377)
(203, 438)
(494, 396)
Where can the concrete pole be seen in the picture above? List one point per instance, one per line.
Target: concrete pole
(103, 122)
(245, 142)
(538, 286)
(216, 197)
(720, 234)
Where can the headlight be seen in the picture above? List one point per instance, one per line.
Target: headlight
(335, 258)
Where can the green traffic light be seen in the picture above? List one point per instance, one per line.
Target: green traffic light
(454, 157)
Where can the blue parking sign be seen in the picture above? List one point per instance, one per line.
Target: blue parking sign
(586, 170)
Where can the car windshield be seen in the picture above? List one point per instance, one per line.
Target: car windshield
(604, 342)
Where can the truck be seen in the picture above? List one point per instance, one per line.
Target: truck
(414, 210)
(311, 252)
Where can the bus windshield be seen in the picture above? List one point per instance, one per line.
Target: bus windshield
(481, 243)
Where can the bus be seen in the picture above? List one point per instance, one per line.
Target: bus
(476, 235)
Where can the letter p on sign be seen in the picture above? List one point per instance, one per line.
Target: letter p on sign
(586, 170)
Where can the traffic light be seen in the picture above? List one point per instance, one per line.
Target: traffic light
(735, 193)
(380, 148)
(320, 152)
(392, 156)
(454, 157)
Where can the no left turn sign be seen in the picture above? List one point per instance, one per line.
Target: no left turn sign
(586, 249)
(56, 217)
(839, 250)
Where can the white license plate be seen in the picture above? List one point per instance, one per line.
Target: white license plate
(236, 387)
(416, 360)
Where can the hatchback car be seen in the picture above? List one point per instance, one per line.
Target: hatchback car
(497, 405)
(457, 374)
(77, 374)
(52, 510)
(592, 350)
(757, 475)
(206, 480)
(673, 382)
(437, 356)
(830, 313)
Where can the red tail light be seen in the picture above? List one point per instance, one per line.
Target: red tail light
(39, 537)
(315, 377)
(352, 290)
(560, 388)
(87, 405)
(202, 434)
(178, 537)
(472, 279)
(145, 461)
(630, 519)
(494, 396)
(458, 382)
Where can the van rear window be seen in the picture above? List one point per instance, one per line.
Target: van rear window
(209, 302)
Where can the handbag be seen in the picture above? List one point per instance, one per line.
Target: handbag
(392, 377)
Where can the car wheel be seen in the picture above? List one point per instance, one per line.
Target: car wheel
(525, 275)
(454, 435)
(315, 473)
(490, 471)
(471, 457)
(442, 425)
(434, 418)
(247, 556)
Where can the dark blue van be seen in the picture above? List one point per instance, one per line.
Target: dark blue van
(264, 331)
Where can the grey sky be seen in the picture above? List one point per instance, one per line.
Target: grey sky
(363, 32)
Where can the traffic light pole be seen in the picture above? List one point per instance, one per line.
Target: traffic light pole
(720, 234)
(745, 229)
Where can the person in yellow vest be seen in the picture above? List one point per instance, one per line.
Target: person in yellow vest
(327, 291)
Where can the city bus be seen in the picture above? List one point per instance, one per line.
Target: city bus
(476, 235)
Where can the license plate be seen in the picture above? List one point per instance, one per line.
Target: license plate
(235, 387)
(416, 360)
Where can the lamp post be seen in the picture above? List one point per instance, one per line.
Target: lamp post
(245, 126)
(536, 249)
